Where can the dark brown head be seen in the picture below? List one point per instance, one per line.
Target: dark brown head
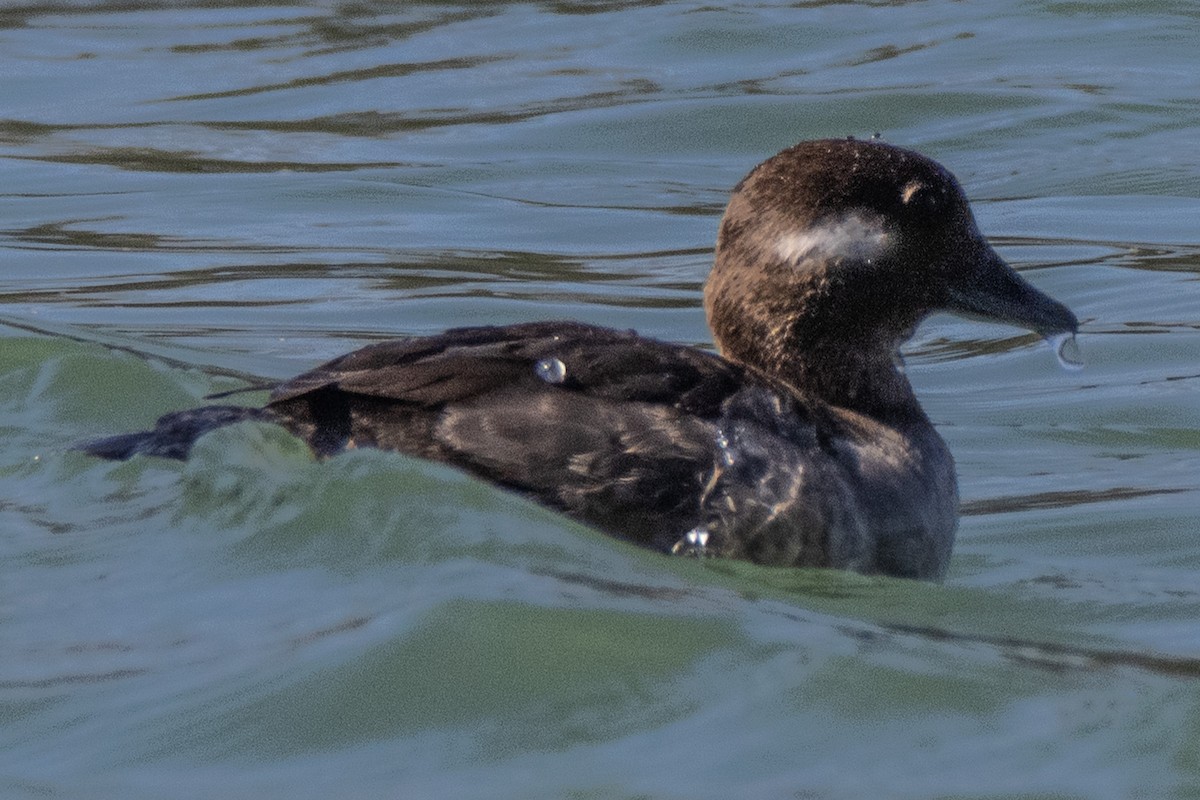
(832, 251)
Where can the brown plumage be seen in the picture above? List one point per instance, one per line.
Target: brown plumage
(801, 444)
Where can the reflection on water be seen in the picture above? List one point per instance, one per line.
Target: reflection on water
(202, 196)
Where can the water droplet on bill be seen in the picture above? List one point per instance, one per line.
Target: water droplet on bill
(1066, 349)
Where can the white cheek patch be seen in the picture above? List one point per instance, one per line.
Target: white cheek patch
(852, 237)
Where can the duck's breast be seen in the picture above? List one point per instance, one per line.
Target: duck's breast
(808, 485)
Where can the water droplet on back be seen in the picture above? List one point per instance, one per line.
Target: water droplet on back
(726, 448)
(551, 370)
(693, 543)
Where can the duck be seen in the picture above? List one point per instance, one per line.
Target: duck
(799, 442)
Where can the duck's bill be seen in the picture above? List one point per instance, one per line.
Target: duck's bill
(995, 292)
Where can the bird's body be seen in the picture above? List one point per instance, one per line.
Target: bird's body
(801, 444)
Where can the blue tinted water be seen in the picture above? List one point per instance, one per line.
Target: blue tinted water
(196, 195)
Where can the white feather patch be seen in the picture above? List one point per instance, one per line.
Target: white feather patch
(853, 236)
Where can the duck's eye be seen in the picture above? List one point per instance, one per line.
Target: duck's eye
(912, 191)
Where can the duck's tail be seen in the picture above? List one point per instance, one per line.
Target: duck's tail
(174, 434)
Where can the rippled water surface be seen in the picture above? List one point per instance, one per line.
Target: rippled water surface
(199, 194)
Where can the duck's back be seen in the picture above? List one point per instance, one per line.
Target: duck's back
(612, 428)
(644, 439)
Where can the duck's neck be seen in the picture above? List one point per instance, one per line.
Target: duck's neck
(832, 338)
(841, 367)
(863, 379)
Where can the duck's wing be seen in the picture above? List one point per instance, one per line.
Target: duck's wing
(618, 430)
(467, 362)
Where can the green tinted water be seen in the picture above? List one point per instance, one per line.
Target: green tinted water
(199, 195)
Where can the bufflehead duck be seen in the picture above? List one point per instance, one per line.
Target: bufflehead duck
(801, 444)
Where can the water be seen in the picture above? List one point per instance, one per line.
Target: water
(200, 195)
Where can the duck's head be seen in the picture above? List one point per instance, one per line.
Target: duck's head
(831, 252)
